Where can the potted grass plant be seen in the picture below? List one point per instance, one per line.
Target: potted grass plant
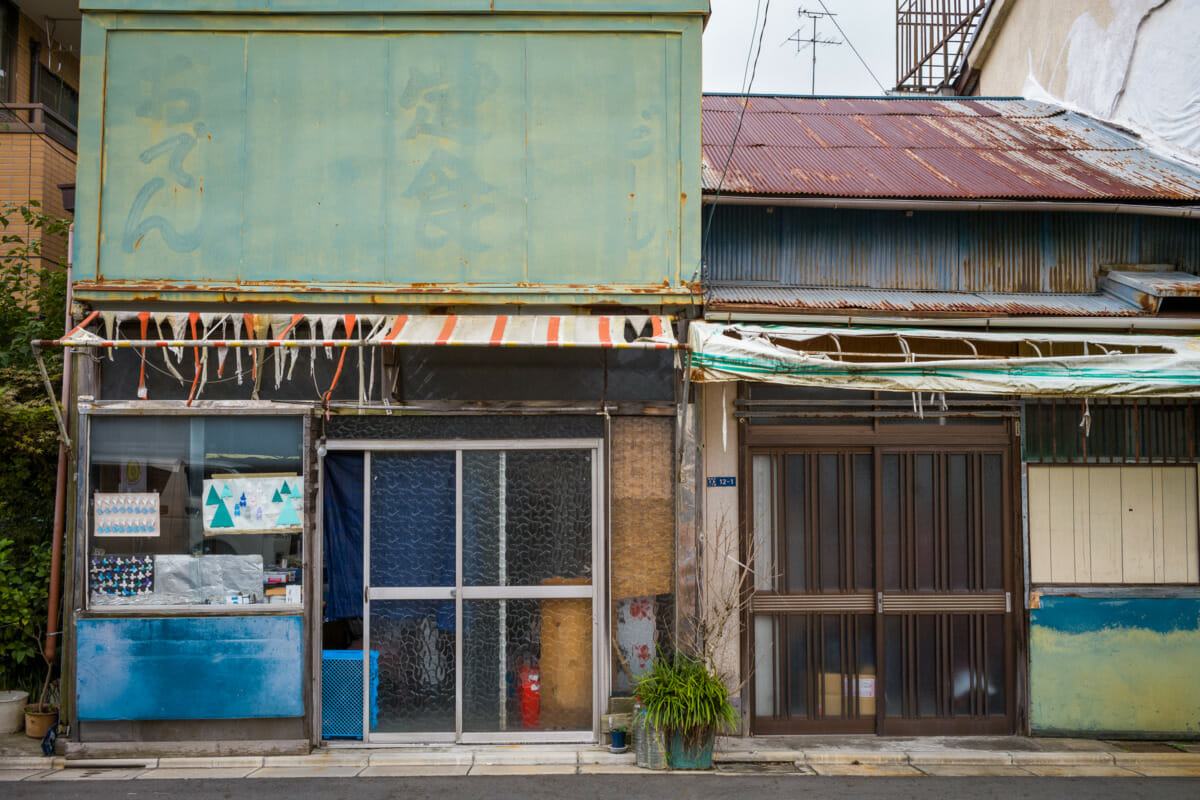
(689, 703)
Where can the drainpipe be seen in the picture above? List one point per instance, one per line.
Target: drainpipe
(60, 488)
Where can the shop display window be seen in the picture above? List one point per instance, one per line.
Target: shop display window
(195, 511)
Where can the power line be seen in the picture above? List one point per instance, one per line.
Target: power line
(750, 50)
(757, 50)
(852, 47)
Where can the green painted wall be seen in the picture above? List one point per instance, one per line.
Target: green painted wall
(355, 153)
(1115, 667)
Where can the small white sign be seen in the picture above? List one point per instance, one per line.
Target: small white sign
(125, 514)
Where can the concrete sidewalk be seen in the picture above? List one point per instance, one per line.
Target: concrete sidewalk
(823, 755)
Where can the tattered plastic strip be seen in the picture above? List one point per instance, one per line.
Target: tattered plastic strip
(159, 319)
(143, 325)
(777, 354)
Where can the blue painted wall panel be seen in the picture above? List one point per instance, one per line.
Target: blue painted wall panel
(1115, 666)
(189, 668)
(938, 250)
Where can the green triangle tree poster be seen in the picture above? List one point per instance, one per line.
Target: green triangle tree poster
(213, 498)
(276, 498)
(287, 516)
(221, 518)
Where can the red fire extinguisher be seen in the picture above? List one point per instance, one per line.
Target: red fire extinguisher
(529, 694)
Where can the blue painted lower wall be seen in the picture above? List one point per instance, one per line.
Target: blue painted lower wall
(189, 668)
(1115, 666)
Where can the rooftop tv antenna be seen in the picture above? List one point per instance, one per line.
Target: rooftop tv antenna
(812, 41)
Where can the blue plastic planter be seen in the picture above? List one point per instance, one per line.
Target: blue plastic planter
(698, 757)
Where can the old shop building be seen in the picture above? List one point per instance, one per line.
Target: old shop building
(377, 368)
(947, 365)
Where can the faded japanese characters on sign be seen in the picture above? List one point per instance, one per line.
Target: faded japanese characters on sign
(448, 189)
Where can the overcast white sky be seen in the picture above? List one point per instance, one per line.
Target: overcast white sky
(869, 24)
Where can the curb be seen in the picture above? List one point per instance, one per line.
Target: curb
(1148, 759)
(592, 757)
(1075, 758)
(853, 757)
(961, 758)
(31, 762)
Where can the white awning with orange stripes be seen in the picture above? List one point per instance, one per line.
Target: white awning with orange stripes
(234, 330)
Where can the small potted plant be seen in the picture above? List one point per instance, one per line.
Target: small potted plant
(689, 703)
(617, 737)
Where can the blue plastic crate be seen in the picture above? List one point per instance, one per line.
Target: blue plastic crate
(341, 693)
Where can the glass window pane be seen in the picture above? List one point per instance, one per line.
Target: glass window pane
(927, 669)
(763, 553)
(797, 523)
(925, 520)
(527, 665)
(412, 519)
(766, 671)
(832, 688)
(829, 520)
(195, 510)
(864, 522)
(893, 510)
(527, 517)
(797, 677)
(415, 643)
(893, 648)
(993, 522)
(962, 678)
(959, 523)
(997, 701)
(867, 686)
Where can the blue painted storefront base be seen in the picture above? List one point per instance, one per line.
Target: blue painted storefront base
(190, 668)
(1106, 667)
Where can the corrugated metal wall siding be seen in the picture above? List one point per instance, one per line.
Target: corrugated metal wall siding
(990, 251)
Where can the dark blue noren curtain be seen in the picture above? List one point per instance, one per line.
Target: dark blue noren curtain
(342, 519)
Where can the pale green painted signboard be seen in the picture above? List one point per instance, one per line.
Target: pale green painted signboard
(286, 154)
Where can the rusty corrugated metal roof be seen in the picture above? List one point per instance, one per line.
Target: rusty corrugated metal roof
(924, 148)
(850, 299)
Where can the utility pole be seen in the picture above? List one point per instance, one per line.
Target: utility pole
(813, 40)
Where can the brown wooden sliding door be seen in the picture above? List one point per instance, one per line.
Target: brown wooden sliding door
(944, 536)
(880, 590)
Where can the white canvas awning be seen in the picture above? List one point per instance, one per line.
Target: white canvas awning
(938, 360)
(195, 329)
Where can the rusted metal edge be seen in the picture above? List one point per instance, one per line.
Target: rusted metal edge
(1187, 323)
(739, 310)
(412, 294)
(918, 204)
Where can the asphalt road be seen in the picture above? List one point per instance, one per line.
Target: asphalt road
(614, 787)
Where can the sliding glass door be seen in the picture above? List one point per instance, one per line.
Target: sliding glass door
(480, 605)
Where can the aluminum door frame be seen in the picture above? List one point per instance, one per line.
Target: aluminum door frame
(596, 591)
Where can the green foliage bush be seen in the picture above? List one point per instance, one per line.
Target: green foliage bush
(682, 695)
(23, 581)
(32, 306)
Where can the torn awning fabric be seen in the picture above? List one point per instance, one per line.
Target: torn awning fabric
(1078, 364)
(234, 330)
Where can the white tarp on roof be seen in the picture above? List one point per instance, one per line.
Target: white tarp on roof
(936, 360)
